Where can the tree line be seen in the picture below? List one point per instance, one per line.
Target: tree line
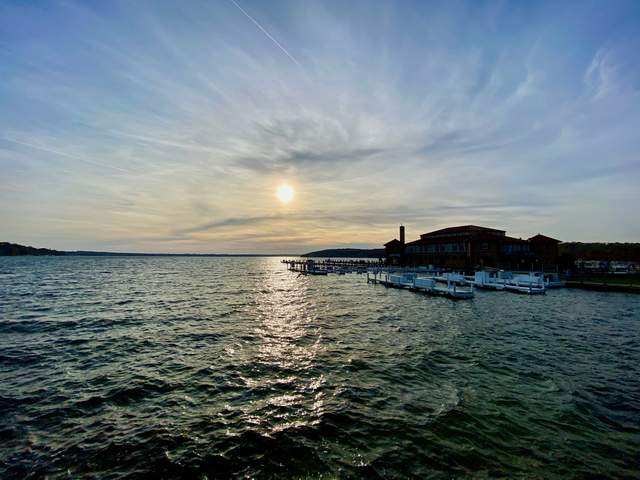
(601, 251)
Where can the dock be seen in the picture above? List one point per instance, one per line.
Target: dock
(436, 281)
(329, 266)
(429, 285)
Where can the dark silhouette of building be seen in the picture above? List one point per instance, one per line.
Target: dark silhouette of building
(394, 250)
(470, 247)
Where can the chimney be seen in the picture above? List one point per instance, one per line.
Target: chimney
(402, 234)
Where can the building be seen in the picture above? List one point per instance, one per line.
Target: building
(470, 247)
(606, 266)
(394, 250)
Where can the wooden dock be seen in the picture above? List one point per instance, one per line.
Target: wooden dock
(325, 267)
(429, 285)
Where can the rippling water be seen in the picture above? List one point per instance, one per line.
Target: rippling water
(230, 367)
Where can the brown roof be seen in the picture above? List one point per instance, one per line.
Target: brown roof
(393, 242)
(543, 239)
(462, 228)
(427, 240)
(415, 242)
(513, 239)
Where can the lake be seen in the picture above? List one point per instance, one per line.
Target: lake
(183, 367)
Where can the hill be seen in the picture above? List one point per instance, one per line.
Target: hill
(347, 253)
(13, 250)
(89, 253)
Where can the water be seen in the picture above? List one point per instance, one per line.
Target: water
(234, 367)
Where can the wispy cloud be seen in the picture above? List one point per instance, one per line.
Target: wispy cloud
(168, 127)
(55, 152)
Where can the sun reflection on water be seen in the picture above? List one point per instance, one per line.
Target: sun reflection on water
(289, 342)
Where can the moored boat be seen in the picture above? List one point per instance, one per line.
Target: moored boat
(528, 289)
(486, 281)
(428, 285)
(552, 280)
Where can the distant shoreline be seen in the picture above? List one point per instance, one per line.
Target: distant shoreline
(575, 250)
(16, 250)
(347, 253)
(128, 254)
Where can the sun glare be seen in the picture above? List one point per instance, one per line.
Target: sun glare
(285, 193)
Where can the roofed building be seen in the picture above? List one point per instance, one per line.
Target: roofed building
(469, 247)
(394, 250)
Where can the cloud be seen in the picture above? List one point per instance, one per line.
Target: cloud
(463, 142)
(301, 159)
(171, 126)
(231, 222)
(612, 71)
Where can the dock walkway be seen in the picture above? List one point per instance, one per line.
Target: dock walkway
(427, 285)
(324, 267)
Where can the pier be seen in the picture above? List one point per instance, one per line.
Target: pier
(429, 285)
(435, 281)
(325, 267)
(427, 280)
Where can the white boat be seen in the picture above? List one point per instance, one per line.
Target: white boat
(427, 285)
(452, 290)
(530, 279)
(552, 280)
(402, 281)
(315, 272)
(530, 283)
(456, 278)
(455, 288)
(528, 289)
(487, 281)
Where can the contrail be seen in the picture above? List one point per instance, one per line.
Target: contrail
(267, 34)
(63, 154)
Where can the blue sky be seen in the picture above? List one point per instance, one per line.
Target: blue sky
(168, 126)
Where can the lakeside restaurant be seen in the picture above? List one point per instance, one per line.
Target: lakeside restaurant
(470, 247)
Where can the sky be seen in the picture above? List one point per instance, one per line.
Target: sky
(168, 126)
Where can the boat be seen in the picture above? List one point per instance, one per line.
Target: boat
(428, 285)
(452, 290)
(451, 277)
(486, 281)
(552, 280)
(315, 272)
(528, 289)
(424, 283)
(531, 283)
(403, 281)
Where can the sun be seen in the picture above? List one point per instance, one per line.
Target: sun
(285, 193)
